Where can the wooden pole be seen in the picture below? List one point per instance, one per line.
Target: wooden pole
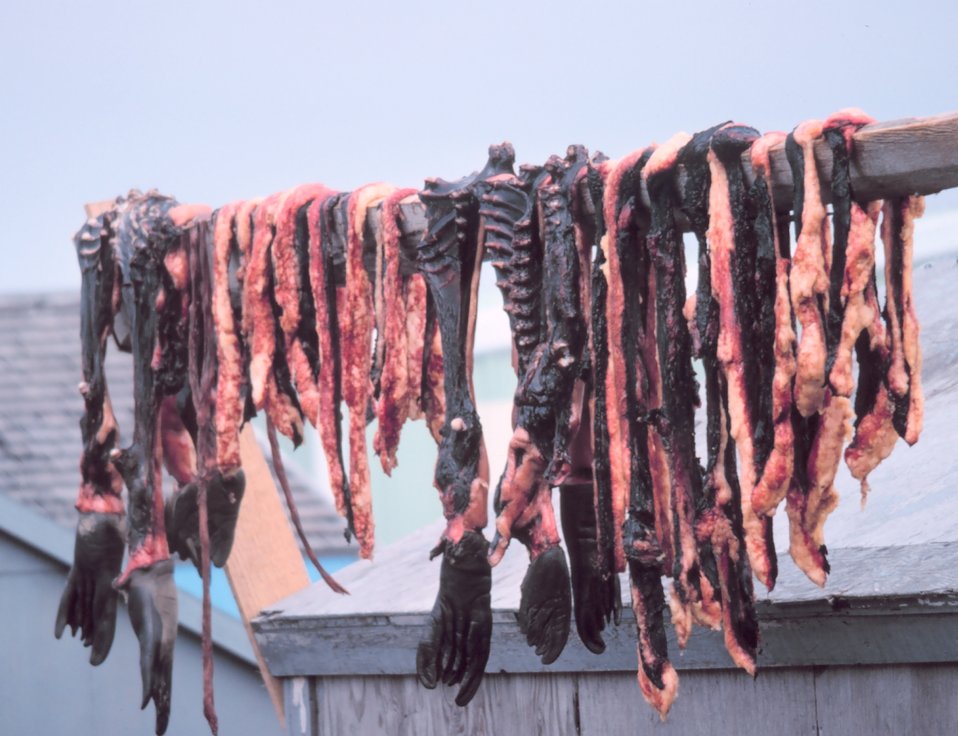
(265, 564)
(94, 209)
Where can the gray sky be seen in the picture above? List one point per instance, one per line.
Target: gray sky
(213, 101)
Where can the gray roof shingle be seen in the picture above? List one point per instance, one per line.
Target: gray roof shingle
(40, 410)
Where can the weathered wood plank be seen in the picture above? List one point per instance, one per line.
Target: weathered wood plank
(887, 701)
(300, 701)
(529, 705)
(265, 564)
(853, 701)
(709, 703)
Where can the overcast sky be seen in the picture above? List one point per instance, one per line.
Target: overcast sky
(213, 101)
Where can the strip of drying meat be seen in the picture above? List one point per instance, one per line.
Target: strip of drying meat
(853, 299)
(396, 315)
(732, 243)
(509, 231)
(100, 486)
(595, 588)
(565, 325)
(177, 445)
(637, 512)
(644, 378)
(599, 356)
(270, 378)
(88, 602)
(433, 391)
(257, 313)
(356, 331)
(904, 373)
(676, 422)
(875, 434)
(141, 266)
(450, 258)
(853, 253)
(777, 466)
(228, 414)
(415, 297)
(626, 452)
(283, 406)
(545, 400)
(719, 530)
(658, 680)
(648, 458)
(293, 294)
(240, 255)
(811, 500)
(203, 372)
(142, 235)
(809, 281)
(323, 242)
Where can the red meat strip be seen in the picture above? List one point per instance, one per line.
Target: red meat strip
(658, 680)
(257, 314)
(228, 414)
(853, 252)
(904, 373)
(450, 257)
(772, 486)
(730, 351)
(604, 565)
(325, 298)
(632, 391)
(858, 277)
(719, 521)
(150, 253)
(676, 416)
(507, 231)
(89, 600)
(292, 294)
(269, 389)
(356, 320)
(415, 296)
(179, 452)
(433, 396)
(809, 276)
(617, 414)
(809, 504)
(402, 324)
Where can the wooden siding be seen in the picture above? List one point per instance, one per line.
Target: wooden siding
(820, 701)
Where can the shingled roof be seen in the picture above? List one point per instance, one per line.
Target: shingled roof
(40, 409)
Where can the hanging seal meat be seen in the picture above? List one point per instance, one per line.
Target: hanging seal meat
(88, 603)
(719, 521)
(732, 245)
(456, 647)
